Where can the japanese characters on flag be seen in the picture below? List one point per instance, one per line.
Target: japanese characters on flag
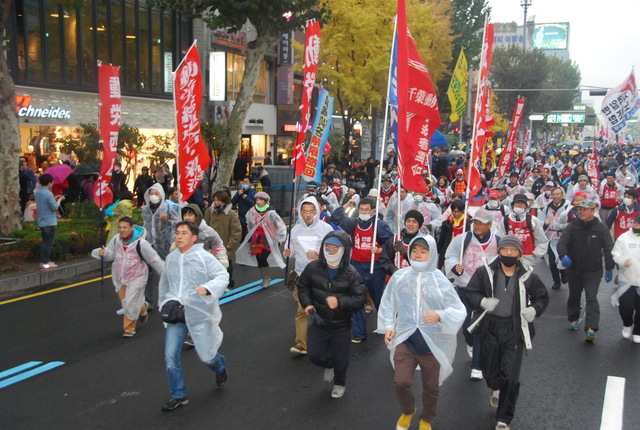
(621, 102)
(418, 114)
(321, 128)
(457, 91)
(193, 156)
(509, 151)
(310, 68)
(110, 107)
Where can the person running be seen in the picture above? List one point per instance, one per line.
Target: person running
(626, 253)
(394, 254)
(554, 223)
(622, 216)
(226, 223)
(420, 315)
(511, 296)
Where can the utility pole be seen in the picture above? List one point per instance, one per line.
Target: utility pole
(525, 5)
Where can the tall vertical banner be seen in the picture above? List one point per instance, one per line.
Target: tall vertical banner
(592, 166)
(309, 71)
(621, 102)
(418, 114)
(509, 151)
(457, 91)
(193, 156)
(320, 134)
(110, 110)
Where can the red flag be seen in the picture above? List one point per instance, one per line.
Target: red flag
(110, 118)
(418, 114)
(193, 156)
(310, 68)
(592, 166)
(509, 151)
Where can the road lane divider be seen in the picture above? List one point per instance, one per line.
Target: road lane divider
(613, 406)
(54, 290)
(246, 290)
(28, 374)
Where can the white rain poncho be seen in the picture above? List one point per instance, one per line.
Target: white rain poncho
(183, 273)
(275, 231)
(391, 217)
(627, 178)
(305, 238)
(411, 294)
(627, 247)
(160, 233)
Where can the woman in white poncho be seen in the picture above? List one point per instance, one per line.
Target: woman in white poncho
(420, 315)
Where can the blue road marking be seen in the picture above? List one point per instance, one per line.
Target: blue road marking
(228, 298)
(240, 289)
(30, 373)
(19, 369)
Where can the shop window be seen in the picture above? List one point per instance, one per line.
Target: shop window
(87, 59)
(235, 70)
(144, 46)
(168, 49)
(33, 48)
(103, 30)
(131, 52)
(52, 42)
(157, 84)
(70, 43)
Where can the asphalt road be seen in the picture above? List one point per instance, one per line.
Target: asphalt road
(110, 382)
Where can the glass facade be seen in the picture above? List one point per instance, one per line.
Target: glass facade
(235, 70)
(59, 48)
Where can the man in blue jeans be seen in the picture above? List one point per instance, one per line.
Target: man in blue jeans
(47, 206)
(194, 279)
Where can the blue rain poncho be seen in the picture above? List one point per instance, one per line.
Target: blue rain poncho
(411, 294)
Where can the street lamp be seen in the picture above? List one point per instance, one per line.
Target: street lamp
(525, 5)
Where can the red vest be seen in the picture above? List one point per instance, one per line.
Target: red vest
(362, 243)
(609, 196)
(386, 196)
(623, 222)
(520, 229)
(400, 260)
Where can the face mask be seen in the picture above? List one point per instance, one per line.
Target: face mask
(547, 194)
(627, 201)
(334, 259)
(418, 198)
(364, 217)
(518, 211)
(493, 204)
(419, 266)
(154, 199)
(245, 186)
(508, 260)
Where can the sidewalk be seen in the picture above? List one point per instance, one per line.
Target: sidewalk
(38, 277)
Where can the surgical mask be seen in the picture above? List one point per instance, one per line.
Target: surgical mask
(627, 201)
(335, 258)
(547, 194)
(508, 260)
(419, 266)
(518, 211)
(245, 186)
(418, 198)
(493, 204)
(154, 199)
(364, 217)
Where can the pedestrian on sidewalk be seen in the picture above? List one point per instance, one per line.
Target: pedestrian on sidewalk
(131, 255)
(189, 290)
(581, 248)
(266, 232)
(512, 296)
(330, 291)
(47, 206)
(304, 247)
(626, 253)
(420, 315)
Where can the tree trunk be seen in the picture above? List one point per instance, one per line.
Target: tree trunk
(10, 216)
(255, 54)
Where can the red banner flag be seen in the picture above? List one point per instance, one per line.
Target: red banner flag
(509, 151)
(592, 166)
(418, 114)
(310, 68)
(193, 155)
(110, 106)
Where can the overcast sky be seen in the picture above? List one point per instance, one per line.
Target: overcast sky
(604, 35)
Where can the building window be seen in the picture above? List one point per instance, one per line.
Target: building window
(235, 70)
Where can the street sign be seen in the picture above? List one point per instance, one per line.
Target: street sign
(565, 118)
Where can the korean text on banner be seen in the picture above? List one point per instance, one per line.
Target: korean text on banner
(418, 114)
(457, 91)
(110, 119)
(620, 103)
(592, 166)
(509, 152)
(321, 128)
(193, 156)
(310, 68)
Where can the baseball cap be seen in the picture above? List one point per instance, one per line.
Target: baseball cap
(587, 204)
(583, 178)
(333, 240)
(483, 216)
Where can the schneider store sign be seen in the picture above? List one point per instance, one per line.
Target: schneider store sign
(25, 110)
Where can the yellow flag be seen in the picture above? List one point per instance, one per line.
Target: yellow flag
(457, 91)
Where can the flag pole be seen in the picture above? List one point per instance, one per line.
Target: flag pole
(384, 140)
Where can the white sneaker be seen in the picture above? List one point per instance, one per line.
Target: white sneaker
(502, 426)
(495, 398)
(338, 391)
(120, 311)
(636, 338)
(470, 351)
(328, 375)
(626, 332)
(476, 375)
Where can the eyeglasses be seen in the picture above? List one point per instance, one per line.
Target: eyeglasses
(308, 212)
(510, 250)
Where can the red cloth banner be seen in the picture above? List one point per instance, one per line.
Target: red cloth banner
(110, 107)
(193, 155)
(592, 166)
(418, 114)
(509, 151)
(311, 58)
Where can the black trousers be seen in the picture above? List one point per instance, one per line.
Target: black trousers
(501, 351)
(330, 349)
(629, 303)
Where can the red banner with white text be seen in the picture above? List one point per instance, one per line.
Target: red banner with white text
(110, 111)
(509, 151)
(193, 156)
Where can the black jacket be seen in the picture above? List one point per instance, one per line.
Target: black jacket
(388, 254)
(585, 244)
(347, 286)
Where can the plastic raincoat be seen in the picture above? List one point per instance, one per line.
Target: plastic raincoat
(391, 217)
(159, 233)
(306, 238)
(275, 233)
(627, 247)
(411, 294)
(183, 273)
(208, 237)
(119, 209)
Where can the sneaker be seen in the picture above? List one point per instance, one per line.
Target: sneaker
(128, 333)
(120, 311)
(298, 349)
(188, 341)
(573, 325)
(636, 338)
(52, 265)
(175, 404)
(44, 266)
(476, 375)
(357, 340)
(221, 378)
(502, 426)
(144, 317)
(556, 285)
(591, 335)
(495, 398)
(470, 351)
(368, 309)
(149, 306)
(563, 276)
(328, 375)
(424, 425)
(404, 421)
(337, 392)
(626, 332)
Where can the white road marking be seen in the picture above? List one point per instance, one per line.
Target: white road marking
(613, 405)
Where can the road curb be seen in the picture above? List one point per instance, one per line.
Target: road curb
(22, 281)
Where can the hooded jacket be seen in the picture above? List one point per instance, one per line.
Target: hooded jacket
(585, 243)
(227, 224)
(314, 286)
(208, 237)
(159, 233)
(306, 238)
